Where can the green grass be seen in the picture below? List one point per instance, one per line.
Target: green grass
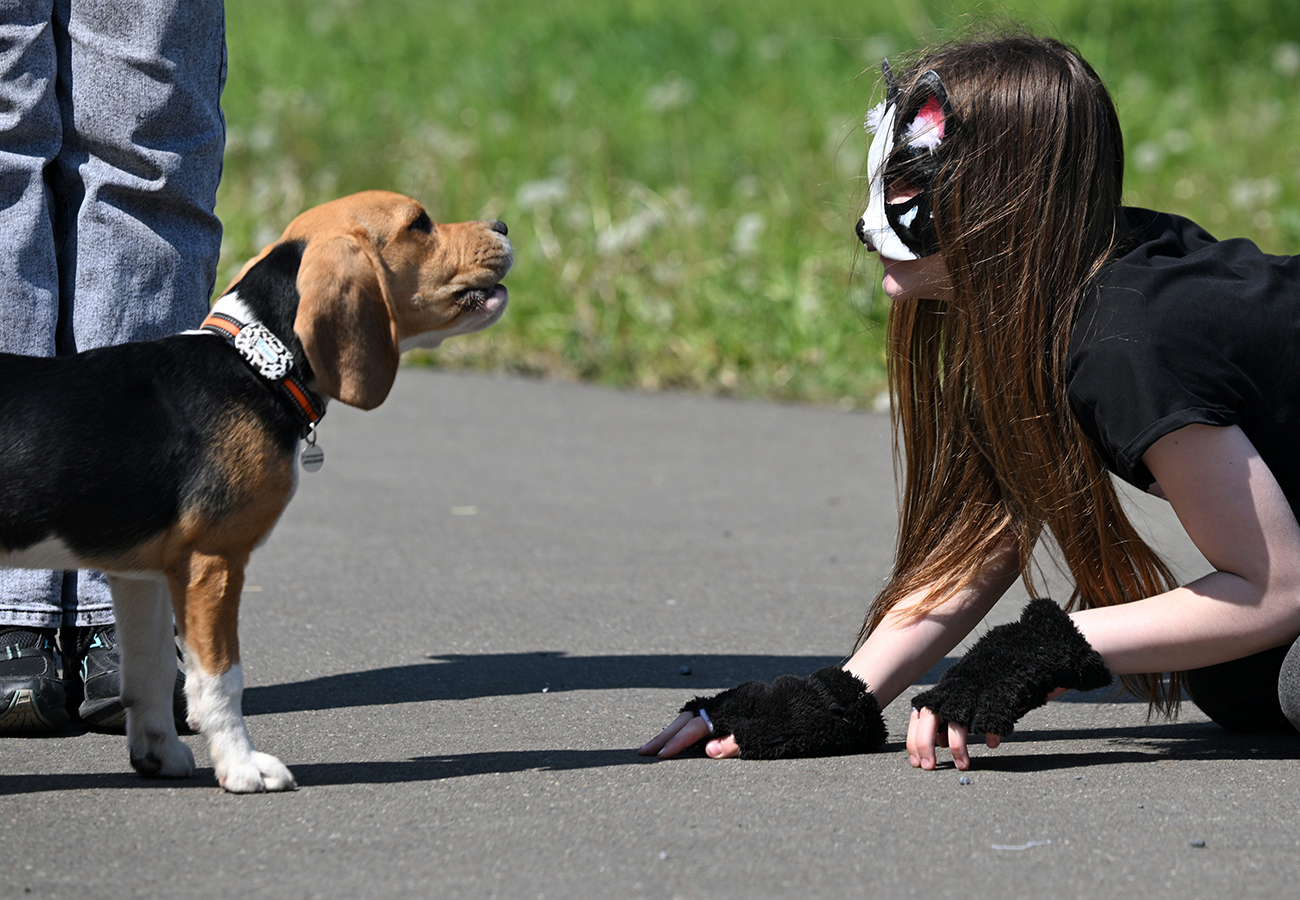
(681, 177)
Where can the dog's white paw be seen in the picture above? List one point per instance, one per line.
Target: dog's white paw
(255, 774)
(157, 755)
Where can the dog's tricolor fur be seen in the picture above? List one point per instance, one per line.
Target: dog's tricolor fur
(164, 463)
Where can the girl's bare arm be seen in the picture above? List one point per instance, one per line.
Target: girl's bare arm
(1234, 511)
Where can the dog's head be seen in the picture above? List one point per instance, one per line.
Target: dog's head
(378, 276)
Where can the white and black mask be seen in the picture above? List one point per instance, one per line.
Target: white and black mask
(904, 150)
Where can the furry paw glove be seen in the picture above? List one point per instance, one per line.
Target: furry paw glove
(1012, 669)
(829, 713)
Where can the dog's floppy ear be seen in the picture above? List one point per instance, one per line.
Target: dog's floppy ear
(344, 322)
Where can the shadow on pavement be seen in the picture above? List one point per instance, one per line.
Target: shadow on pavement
(1164, 741)
(436, 768)
(89, 781)
(462, 677)
(422, 768)
(1023, 752)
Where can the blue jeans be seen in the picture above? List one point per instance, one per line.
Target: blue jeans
(111, 137)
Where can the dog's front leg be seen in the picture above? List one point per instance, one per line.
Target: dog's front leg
(144, 631)
(214, 684)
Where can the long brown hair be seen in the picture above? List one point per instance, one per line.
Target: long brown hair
(1027, 209)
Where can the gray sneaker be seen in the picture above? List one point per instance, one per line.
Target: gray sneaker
(100, 665)
(32, 698)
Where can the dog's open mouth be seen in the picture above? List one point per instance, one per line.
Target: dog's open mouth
(481, 298)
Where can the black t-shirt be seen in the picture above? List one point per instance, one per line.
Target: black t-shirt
(1183, 329)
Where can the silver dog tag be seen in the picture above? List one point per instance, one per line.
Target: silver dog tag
(311, 458)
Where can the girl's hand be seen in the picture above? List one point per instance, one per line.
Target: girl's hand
(687, 730)
(828, 713)
(925, 732)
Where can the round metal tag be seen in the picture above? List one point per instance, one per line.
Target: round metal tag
(311, 458)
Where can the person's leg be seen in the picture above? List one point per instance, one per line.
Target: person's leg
(31, 135)
(1242, 695)
(143, 134)
(143, 139)
(31, 691)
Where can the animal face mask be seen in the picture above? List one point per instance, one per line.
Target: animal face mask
(903, 164)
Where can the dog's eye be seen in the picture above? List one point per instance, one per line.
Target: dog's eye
(423, 223)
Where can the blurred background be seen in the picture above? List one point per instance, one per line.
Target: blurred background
(681, 177)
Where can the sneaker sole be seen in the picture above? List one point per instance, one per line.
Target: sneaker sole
(25, 715)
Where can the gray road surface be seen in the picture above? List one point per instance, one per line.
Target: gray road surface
(468, 620)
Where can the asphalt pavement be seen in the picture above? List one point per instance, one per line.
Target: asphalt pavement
(496, 589)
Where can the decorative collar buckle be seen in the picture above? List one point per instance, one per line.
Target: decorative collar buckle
(265, 352)
(267, 355)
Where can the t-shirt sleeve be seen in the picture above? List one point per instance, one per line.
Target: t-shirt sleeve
(1144, 366)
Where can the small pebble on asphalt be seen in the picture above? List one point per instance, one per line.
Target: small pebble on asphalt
(684, 670)
(1198, 843)
(963, 780)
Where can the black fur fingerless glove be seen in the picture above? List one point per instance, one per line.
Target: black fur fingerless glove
(1013, 668)
(829, 713)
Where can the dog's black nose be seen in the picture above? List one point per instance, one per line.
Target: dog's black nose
(499, 227)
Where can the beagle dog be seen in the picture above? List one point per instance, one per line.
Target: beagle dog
(164, 463)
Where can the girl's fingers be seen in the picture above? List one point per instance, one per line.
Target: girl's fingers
(922, 738)
(661, 740)
(925, 733)
(691, 734)
(957, 744)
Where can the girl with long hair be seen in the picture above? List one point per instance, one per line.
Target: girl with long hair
(1042, 337)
